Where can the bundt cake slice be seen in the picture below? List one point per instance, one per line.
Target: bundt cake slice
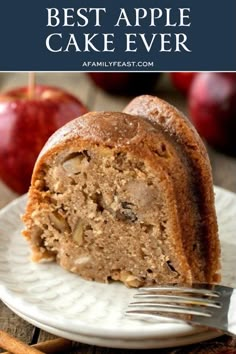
(115, 196)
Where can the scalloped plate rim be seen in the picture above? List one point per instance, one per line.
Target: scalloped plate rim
(133, 343)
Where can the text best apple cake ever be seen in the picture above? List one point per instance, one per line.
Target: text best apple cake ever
(126, 196)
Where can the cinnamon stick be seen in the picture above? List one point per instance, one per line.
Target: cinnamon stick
(53, 346)
(15, 346)
(58, 345)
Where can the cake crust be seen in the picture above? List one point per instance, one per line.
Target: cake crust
(178, 127)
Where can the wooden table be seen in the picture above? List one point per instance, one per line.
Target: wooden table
(224, 173)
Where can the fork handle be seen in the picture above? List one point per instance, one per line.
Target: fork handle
(232, 313)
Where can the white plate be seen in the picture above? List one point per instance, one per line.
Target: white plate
(123, 343)
(54, 297)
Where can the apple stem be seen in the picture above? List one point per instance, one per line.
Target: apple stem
(31, 84)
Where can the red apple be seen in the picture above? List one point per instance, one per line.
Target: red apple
(125, 83)
(25, 125)
(182, 81)
(212, 106)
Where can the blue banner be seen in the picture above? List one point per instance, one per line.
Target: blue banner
(131, 35)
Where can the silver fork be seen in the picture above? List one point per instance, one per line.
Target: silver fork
(213, 306)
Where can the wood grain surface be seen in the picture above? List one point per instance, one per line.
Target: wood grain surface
(224, 174)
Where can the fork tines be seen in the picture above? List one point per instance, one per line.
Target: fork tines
(213, 306)
(172, 300)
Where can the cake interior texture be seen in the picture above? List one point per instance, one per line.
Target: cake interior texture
(118, 211)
